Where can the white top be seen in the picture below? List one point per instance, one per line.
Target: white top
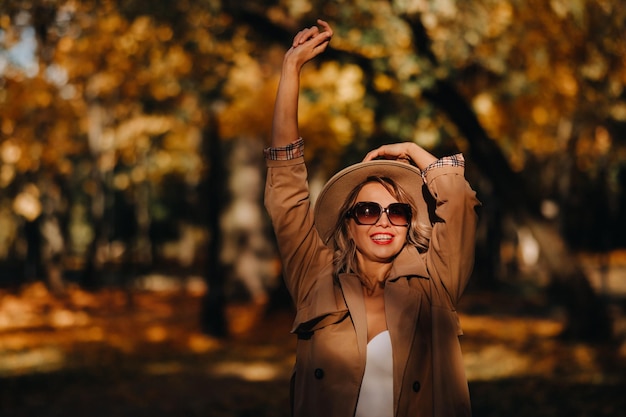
(376, 395)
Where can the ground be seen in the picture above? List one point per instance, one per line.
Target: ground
(115, 353)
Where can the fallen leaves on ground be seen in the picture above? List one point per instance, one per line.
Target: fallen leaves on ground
(119, 353)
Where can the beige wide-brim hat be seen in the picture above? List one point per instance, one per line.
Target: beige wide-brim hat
(336, 190)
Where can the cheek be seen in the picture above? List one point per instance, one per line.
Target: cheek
(350, 230)
(356, 233)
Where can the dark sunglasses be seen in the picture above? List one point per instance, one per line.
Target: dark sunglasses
(367, 213)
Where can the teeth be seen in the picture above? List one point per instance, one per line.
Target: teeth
(381, 237)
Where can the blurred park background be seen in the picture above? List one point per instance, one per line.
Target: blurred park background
(138, 272)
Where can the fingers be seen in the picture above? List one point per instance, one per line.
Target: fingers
(304, 35)
(309, 33)
(326, 26)
(391, 151)
(376, 153)
(380, 152)
(370, 155)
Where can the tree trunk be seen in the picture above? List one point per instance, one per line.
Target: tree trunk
(213, 318)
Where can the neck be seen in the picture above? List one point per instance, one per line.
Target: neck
(373, 274)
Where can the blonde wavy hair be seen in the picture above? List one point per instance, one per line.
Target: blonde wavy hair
(345, 259)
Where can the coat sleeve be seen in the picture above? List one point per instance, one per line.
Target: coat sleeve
(288, 203)
(450, 257)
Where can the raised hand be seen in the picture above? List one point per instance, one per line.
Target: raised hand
(309, 43)
(405, 151)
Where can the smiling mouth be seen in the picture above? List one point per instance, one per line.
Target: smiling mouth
(382, 239)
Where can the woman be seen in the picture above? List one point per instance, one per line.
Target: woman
(374, 276)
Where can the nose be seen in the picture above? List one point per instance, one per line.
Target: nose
(383, 220)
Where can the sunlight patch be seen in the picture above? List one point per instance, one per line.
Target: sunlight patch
(249, 371)
(496, 362)
(156, 334)
(200, 343)
(46, 359)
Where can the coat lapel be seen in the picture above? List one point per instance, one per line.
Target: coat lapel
(402, 306)
(353, 294)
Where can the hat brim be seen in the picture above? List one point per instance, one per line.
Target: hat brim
(334, 193)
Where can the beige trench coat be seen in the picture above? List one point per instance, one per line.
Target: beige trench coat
(420, 300)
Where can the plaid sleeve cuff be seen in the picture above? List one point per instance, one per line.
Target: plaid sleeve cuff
(456, 160)
(285, 153)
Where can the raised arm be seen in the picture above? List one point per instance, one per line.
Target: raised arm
(307, 44)
(286, 189)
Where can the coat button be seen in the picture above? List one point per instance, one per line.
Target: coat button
(319, 373)
(416, 386)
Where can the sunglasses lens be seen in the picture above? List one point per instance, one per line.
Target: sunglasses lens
(367, 213)
(399, 214)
